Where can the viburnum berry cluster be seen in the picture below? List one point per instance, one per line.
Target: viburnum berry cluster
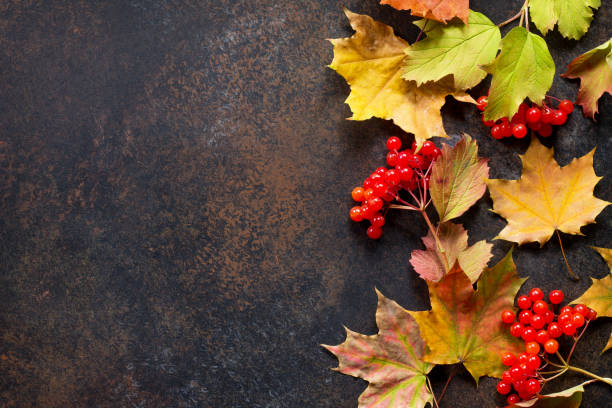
(538, 325)
(534, 117)
(408, 170)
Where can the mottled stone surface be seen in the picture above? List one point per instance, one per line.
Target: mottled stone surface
(175, 181)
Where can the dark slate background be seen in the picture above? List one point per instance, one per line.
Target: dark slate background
(175, 183)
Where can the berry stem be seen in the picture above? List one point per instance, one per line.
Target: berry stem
(561, 358)
(437, 239)
(421, 32)
(552, 97)
(569, 268)
(403, 207)
(576, 341)
(590, 374)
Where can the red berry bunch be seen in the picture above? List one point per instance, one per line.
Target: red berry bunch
(539, 327)
(533, 117)
(408, 170)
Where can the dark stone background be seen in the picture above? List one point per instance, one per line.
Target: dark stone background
(175, 183)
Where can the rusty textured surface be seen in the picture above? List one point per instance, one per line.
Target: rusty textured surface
(175, 181)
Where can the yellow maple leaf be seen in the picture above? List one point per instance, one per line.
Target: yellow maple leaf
(371, 61)
(547, 197)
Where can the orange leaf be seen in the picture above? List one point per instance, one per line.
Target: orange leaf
(440, 10)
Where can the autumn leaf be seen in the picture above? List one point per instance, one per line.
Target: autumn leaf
(523, 69)
(547, 197)
(570, 398)
(430, 264)
(454, 49)
(573, 16)
(440, 10)
(599, 296)
(371, 62)
(390, 360)
(594, 69)
(458, 179)
(464, 326)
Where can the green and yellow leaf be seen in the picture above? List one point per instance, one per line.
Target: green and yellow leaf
(599, 296)
(523, 69)
(463, 325)
(391, 361)
(432, 265)
(572, 16)
(433, 9)
(458, 179)
(371, 61)
(570, 398)
(455, 49)
(594, 69)
(547, 197)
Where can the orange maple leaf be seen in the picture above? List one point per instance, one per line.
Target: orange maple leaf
(440, 10)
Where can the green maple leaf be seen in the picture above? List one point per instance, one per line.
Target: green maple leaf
(523, 69)
(463, 325)
(572, 16)
(456, 49)
(391, 361)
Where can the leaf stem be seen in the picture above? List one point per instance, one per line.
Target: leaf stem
(589, 374)
(561, 358)
(432, 393)
(569, 268)
(422, 31)
(511, 19)
(436, 238)
(450, 377)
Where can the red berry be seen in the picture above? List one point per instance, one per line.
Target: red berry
(534, 125)
(538, 321)
(532, 348)
(516, 329)
(415, 161)
(533, 363)
(481, 103)
(582, 309)
(554, 330)
(402, 158)
(545, 130)
(394, 143)
(428, 147)
(536, 294)
(369, 193)
(378, 220)
(513, 399)
(532, 386)
(559, 118)
(374, 233)
(524, 317)
(539, 307)
(380, 171)
(436, 153)
(523, 358)
(529, 334)
(523, 302)
(506, 128)
(356, 214)
(375, 203)
(357, 194)
(569, 329)
(405, 173)
(506, 376)
(592, 315)
(367, 183)
(507, 316)
(551, 346)
(549, 316)
(516, 373)
(533, 115)
(504, 388)
(497, 132)
(564, 318)
(577, 320)
(555, 297)
(542, 336)
(566, 106)
(566, 310)
(508, 359)
(392, 158)
(392, 177)
(487, 123)
(519, 130)
(547, 115)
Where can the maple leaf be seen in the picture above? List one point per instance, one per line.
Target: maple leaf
(430, 265)
(463, 325)
(547, 197)
(570, 398)
(599, 296)
(573, 16)
(594, 69)
(390, 360)
(440, 10)
(454, 49)
(371, 62)
(458, 178)
(523, 69)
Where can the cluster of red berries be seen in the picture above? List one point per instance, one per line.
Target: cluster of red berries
(538, 326)
(539, 119)
(408, 171)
